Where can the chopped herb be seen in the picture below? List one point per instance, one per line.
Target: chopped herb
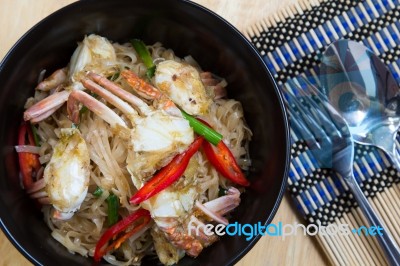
(94, 95)
(35, 135)
(200, 128)
(145, 55)
(150, 72)
(114, 76)
(98, 192)
(222, 192)
(113, 205)
(83, 110)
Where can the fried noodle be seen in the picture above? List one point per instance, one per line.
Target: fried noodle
(108, 158)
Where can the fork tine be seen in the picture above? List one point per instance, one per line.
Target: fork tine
(311, 90)
(304, 124)
(329, 118)
(307, 94)
(311, 121)
(336, 119)
(297, 124)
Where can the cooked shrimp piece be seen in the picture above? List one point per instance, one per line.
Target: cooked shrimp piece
(182, 83)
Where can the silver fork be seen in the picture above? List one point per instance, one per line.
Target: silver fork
(329, 139)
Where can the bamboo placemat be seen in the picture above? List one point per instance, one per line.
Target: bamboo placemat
(291, 43)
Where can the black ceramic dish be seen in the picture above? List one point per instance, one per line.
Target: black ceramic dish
(188, 29)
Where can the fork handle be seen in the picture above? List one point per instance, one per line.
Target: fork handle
(386, 241)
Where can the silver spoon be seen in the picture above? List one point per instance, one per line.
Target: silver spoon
(364, 92)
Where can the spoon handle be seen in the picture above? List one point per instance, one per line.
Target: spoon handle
(386, 241)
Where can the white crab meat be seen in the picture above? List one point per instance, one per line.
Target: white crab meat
(170, 204)
(161, 132)
(95, 53)
(67, 174)
(181, 82)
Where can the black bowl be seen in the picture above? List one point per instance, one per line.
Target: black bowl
(188, 29)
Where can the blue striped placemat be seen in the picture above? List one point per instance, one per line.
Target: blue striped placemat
(291, 46)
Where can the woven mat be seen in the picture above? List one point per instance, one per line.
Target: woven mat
(291, 44)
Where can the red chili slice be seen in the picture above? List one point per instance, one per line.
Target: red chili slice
(167, 175)
(119, 232)
(224, 162)
(28, 162)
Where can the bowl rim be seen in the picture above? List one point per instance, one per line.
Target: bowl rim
(237, 256)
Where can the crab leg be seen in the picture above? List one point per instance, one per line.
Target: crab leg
(95, 106)
(195, 239)
(141, 87)
(155, 125)
(111, 98)
(149, 92)
(36, 186)
(46, 107)
(222, 205)
(215, 209)
(182, 240)
(44, 201)
(215, 216)
(123, 94)
(209, 80)
(201, 236)
(57, 78)
(225, 204)
(46, 114)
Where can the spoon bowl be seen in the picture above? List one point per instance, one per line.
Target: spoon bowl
(363, 90)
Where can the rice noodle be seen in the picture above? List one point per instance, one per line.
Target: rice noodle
(27, 148)
(108, 154)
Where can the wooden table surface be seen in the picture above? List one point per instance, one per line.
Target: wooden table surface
(17, 16)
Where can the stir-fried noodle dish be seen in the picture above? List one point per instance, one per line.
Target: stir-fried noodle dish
(129, 149)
